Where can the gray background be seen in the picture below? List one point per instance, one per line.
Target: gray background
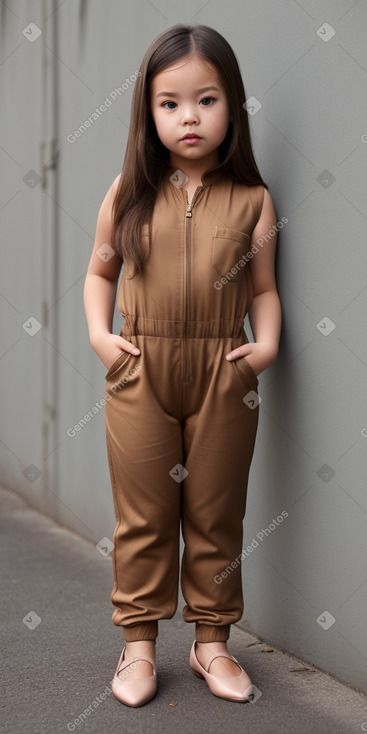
(310, 142)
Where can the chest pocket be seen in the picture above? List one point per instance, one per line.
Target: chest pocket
(228, 247)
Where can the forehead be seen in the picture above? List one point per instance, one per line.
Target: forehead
(193, 69)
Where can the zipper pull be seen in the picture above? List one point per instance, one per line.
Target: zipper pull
(188, 211)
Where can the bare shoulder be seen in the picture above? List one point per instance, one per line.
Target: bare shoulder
(108, 267)
(115, 183)
(263, 244)
(112, 191)
(268, 206)
(106, 205)
(267, 216)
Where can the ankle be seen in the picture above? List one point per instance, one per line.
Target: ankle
(140, 647)
(215, 646)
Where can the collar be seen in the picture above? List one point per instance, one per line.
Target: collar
(212, 175)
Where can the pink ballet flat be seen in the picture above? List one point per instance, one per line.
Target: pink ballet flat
(134, 692)
(233, 688)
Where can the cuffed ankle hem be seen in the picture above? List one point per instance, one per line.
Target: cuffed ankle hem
(212, 633)
(141, 631)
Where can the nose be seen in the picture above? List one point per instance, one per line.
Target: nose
(190, 115)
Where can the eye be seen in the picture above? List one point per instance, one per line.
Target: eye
(169, 108)
(206, 99)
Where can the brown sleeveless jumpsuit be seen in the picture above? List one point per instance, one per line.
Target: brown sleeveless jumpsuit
(181, 420)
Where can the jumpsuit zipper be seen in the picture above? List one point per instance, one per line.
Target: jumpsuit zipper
(186, 370)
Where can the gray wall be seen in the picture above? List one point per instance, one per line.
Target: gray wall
(310, 140)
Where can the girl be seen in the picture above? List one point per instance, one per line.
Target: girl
(187, 217)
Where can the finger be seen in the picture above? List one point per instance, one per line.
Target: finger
(129, 347)
(235, 354)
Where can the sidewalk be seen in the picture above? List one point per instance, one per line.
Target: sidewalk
(55, 669)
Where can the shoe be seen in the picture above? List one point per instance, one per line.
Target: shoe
(134, 692)
(232, 688)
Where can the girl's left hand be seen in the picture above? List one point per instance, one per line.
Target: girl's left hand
(259, 355)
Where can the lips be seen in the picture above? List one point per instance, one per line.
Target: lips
(191, 135)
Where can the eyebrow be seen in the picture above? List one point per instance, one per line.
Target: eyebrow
(176, 94)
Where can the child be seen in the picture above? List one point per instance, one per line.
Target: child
(187, 217)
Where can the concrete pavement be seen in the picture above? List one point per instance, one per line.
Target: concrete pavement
(60, 649)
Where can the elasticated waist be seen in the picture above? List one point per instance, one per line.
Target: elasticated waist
(134, 325)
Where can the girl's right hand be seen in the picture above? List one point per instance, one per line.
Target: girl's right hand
(108, 347)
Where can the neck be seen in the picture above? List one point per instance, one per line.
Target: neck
(195, 169)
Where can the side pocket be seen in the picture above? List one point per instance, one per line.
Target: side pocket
(118, 363)
(245, 373)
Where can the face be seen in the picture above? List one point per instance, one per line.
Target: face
(188, 97)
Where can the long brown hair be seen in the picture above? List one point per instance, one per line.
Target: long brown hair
(147, 159)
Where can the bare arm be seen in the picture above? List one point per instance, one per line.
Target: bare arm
(265, 313)
(100, 288)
